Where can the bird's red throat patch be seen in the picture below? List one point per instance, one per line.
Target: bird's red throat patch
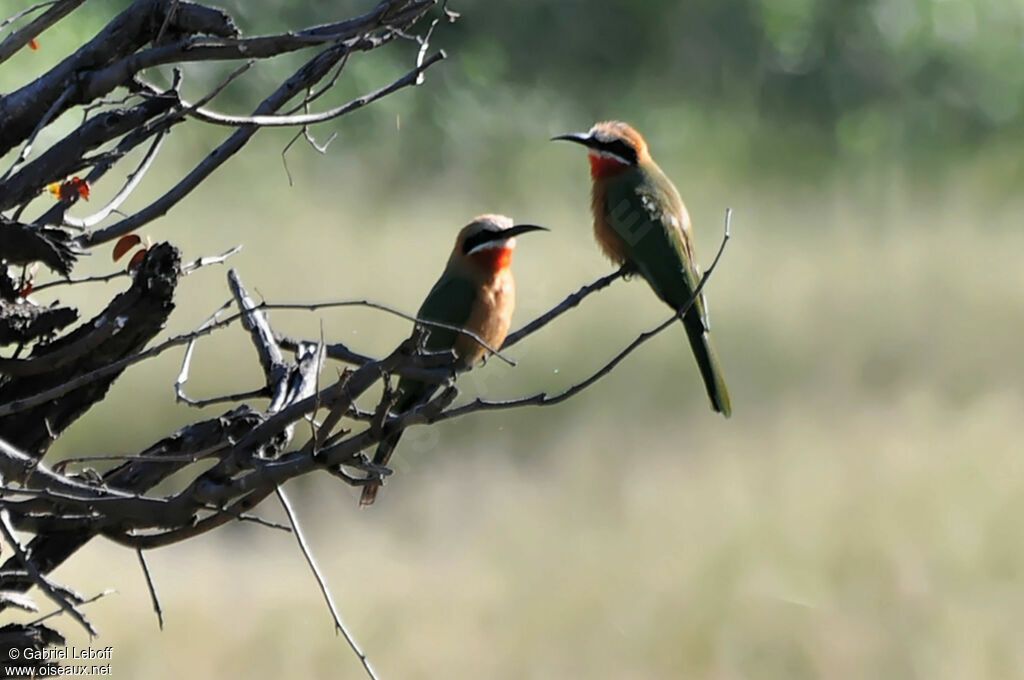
(605, 166)
(493, 259)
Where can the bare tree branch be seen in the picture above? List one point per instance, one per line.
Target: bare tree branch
(47, 118)
(227, 465)
(53, 591)
(414, 77)
(17, 40)
(67, 156)
(132, 29)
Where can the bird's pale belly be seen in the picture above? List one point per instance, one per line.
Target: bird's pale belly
(490, 319)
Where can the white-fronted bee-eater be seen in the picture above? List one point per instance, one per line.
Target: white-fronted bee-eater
(477, 293)
(640, 221)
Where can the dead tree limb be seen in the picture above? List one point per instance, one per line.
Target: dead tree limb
(299, 418)
(51, 376)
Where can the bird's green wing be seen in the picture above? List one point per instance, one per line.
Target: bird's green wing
(647, 213)
(450, 301)
(651, 222)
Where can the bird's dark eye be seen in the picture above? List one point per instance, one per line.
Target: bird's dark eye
(621, 149)
(477, 239)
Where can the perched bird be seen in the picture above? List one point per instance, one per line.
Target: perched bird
(476, 292)
(640, 221)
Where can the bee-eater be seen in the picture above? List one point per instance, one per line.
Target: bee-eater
(640, 221)
(477, 293)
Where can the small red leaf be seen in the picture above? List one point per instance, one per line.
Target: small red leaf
(33, 44)
(124, 244)
(66, 190)
(81, 187)
(28, 279)
(137, 259)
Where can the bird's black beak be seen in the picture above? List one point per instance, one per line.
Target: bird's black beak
(521, 229)
(579, 137)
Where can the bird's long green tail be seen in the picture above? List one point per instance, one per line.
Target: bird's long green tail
(412, 393)
(707, 361)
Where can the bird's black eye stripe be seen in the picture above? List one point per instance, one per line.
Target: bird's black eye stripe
(620, 149)
(479, 238)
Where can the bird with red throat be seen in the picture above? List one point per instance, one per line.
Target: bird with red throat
(641, 221)
(476, 293)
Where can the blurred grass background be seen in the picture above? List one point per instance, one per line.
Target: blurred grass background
(857, 517)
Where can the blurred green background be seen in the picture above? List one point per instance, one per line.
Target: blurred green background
(858, 517)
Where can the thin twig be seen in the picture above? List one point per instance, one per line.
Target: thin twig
(152, 588)
(341, 352)
(186, 269)
(313, 71)
(25, 12)
(314, 427)
(106, 101)
(321, 583)
(208, 260)
(23, 36)
(335, 350)
(124, 458)
(253, 519)
(23, 403)
(133, 181)
(313, 306)
(310, 97)
(411, 78)
(85, 279)
(163, 28)
(258, 393)
(26, 149)
(56, 612)
(186, 361)
(564, 306)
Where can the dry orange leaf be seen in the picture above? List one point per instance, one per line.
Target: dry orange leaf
(124, 244)
(137, 259)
